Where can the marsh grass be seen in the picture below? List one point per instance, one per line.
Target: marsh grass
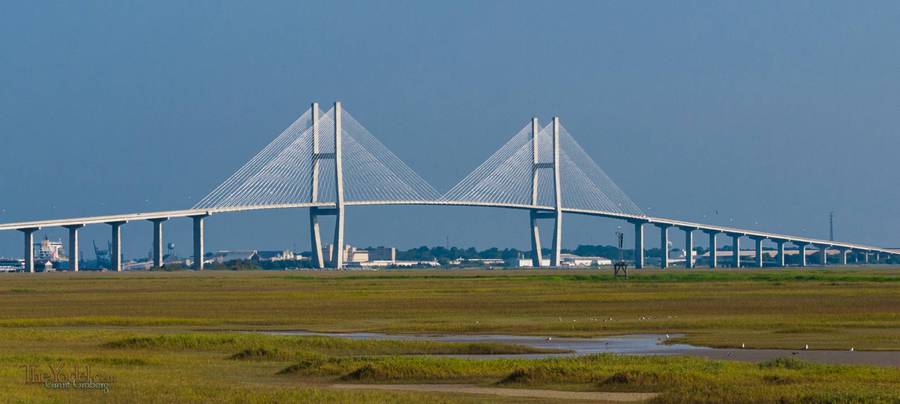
(168, 337)
(679, 379)
(20, 290)
(830, 309)
(186, 367)
(117, 321)
(775, 276)
(319, 344)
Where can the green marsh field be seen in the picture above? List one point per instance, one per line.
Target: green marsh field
(183, 336)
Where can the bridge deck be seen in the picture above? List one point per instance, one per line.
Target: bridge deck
(633, 218)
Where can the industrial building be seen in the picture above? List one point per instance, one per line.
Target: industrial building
(521, 262)
(273, 256)
(566, 260)
(486, 262)
(354, 254)
(571, 260)
(12, 264)
(226, 256)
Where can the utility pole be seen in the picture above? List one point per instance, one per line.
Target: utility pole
(831, 225)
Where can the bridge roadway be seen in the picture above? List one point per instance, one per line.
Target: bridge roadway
(73, 224)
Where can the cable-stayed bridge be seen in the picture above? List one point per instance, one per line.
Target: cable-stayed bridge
(328, 161)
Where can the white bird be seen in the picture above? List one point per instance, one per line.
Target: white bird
(667, 336)
(851, 349)
(548, 339)
(742, 345)
(806, 347)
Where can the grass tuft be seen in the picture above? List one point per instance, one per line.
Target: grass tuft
(259, 354)
(366, 372)
(632, 378)
(518, 376)
(787, 363)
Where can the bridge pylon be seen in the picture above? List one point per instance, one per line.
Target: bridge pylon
(337, 251)
(556, 214)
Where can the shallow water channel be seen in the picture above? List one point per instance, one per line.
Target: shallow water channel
(641, 344)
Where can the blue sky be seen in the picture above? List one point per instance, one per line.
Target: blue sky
(771, 113)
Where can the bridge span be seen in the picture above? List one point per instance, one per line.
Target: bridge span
(541, 170)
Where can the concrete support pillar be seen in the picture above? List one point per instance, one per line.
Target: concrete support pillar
(315, 237)
(73, 246)
(339, 189)
(780, 259)
(759, 251)
(844, 253)
(736, 250)
(115, 251)
(557, 200)
(802, 249)
(713, 250)
(638, 244)
(688, 248)
(198, 241)
(158, 240)
(877, 258)
(556, 254)
(664, 245)
(823, 255)
(536, 255)
(29, 248)
(865, 257)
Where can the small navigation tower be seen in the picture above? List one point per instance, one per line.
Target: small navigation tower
(620, 265)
